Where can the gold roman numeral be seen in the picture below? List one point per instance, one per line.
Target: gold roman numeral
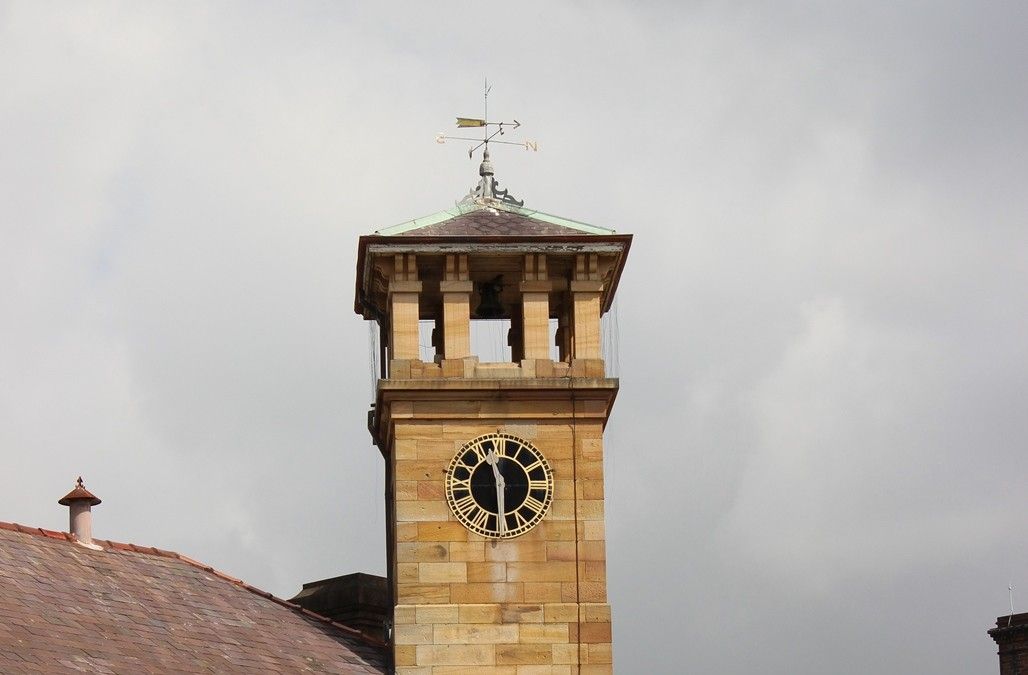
(534, 504)
(534, 465)
(479, 519)
(480, 452)
(463, 462)
(465, 504)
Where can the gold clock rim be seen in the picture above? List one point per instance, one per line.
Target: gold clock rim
(508, 534)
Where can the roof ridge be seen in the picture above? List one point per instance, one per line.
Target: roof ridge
(151, 550)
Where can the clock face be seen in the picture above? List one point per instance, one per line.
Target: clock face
(499, 485)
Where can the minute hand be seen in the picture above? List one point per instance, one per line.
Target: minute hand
(501, 518)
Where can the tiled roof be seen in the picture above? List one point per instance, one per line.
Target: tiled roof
(492, 219)
(485, 222)
(130, 609)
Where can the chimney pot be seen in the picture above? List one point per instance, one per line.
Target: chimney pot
(80, 502)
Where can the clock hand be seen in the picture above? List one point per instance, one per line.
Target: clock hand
(501, 518)
(502, 510)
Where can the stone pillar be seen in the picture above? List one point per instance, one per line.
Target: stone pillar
(456, 290)
(535, 303)
(585, 293)
(404, 293)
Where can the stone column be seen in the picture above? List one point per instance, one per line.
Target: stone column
(456, 290)
(585, 293)
(404, 294)
(535, 303)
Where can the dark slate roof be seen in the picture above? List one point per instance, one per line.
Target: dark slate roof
(487, 222)
(129, 609)
(492, 218)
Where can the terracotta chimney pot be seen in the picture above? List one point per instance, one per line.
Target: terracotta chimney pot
(80, 502)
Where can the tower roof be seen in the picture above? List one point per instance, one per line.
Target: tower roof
(482, 228)
(489, 211)
(490, 222)
(482, 218)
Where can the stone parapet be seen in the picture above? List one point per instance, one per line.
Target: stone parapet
(470, 368)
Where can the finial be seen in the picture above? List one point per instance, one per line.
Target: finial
(486, 167)
(79, 493)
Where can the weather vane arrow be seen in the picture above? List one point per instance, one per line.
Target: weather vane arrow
(490, 135)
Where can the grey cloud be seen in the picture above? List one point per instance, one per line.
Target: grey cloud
(817, 468)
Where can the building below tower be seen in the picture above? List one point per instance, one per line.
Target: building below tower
(1011, 636)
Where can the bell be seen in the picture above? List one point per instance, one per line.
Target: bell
(489, 306)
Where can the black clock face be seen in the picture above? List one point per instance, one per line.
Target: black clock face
(499, 485)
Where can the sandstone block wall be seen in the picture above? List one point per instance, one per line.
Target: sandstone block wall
(468, 604)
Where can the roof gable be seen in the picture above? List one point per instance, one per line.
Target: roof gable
(133, 609)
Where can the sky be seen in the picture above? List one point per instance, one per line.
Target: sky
(817, 460)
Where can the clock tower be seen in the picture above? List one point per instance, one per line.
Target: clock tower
(494, 469)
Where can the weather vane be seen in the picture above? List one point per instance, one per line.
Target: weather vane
(488, 136)
(487, 192)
